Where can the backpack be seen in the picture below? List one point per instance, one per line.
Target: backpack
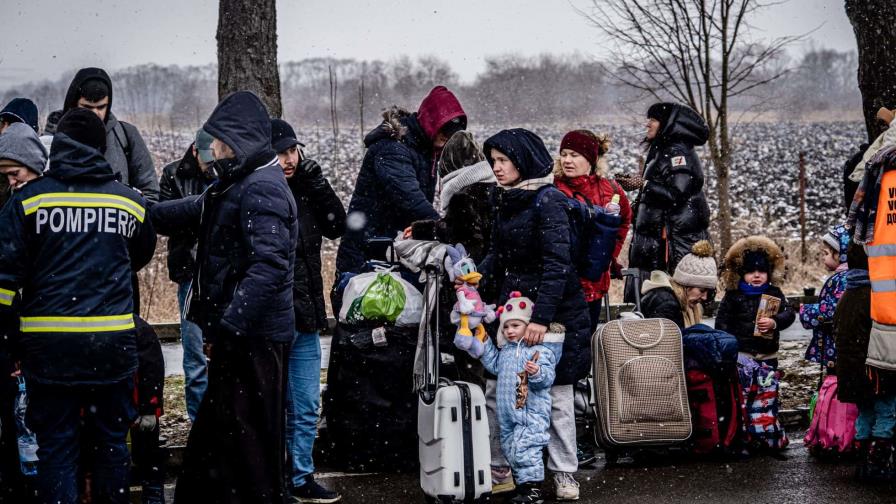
(714, 391)
(833, 426)
(761, 405)
(592, 234)
(716, 412)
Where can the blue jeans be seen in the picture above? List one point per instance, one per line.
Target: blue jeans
(302, 404)
(195, 365)
(54, 414)
(877, 418)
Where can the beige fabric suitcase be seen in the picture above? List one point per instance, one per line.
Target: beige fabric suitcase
(640, 391)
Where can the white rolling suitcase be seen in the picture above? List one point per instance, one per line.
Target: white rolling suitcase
(452, 428)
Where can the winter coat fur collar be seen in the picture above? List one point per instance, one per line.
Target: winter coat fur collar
(734, 259)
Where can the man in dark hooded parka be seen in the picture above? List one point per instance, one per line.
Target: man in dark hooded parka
(242, 299)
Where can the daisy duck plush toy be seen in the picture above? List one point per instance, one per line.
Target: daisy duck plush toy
(469, 311)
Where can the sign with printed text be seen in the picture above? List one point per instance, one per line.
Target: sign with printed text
(891, 205)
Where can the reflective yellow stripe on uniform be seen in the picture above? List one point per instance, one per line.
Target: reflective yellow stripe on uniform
(92, 200)
(106, 323)
(6, 297)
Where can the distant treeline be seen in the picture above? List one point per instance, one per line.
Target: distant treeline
(511, 90)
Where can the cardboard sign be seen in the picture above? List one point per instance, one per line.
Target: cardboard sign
(768, 308)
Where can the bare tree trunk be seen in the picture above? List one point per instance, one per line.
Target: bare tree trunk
(721, 160)
(724, 133)
(334, 116)
(247, 50)
(361, 109)
(872, 22)
(804, 255)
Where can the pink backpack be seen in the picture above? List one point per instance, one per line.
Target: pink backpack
(833, 426)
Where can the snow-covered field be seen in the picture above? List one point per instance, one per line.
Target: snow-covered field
(764, 180)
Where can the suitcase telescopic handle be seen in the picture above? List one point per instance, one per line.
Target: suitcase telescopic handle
(635, 273)
(431, 356)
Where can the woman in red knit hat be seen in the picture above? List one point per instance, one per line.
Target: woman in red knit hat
(581, 170)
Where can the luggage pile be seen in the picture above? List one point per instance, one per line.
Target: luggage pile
(657, 389)
(370, 406)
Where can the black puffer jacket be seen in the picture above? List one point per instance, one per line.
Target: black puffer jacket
(247, 230)
(672, 199)
(737, 316)
(395, 186)
(181, 179)
(662, 303)
(530, 251)
(320, 214)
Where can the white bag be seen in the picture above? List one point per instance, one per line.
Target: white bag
(358, 285)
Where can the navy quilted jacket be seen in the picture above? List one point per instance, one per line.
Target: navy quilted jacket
(395, 187)
(530, 252)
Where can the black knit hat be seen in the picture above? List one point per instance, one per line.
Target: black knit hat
(283, 136)
(660, 112)
(755, 260)
(20, 110)
(85, 127)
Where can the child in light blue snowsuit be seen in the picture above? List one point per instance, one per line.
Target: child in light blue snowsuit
(525, 375)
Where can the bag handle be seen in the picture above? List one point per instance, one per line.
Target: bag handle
(584, 199)
(639, 346)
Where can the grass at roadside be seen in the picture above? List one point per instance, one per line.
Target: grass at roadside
(175, 422)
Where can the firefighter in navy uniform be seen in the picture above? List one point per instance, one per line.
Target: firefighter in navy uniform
(70, 241)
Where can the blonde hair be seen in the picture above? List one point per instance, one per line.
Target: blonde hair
(692, 314)
(601, 168)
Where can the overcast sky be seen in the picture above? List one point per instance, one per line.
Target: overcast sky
(43, 38)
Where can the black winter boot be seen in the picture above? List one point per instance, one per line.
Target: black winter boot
(528, 493)
(862, 448)
(880, 465)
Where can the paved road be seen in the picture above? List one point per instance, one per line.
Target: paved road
(797, 480)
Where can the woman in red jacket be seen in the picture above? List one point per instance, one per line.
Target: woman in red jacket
(581, 171)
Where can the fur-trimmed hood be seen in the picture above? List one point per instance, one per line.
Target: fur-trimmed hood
(400, 125)
(734, 259)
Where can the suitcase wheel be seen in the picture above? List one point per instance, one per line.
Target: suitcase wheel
(611, 456)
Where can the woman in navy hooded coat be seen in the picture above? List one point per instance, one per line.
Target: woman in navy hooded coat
(530, 253)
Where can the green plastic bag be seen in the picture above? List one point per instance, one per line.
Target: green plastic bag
(812, 403)
(384, 299)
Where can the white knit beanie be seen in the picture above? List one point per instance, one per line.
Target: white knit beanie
(518, 307)
(698, 269)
